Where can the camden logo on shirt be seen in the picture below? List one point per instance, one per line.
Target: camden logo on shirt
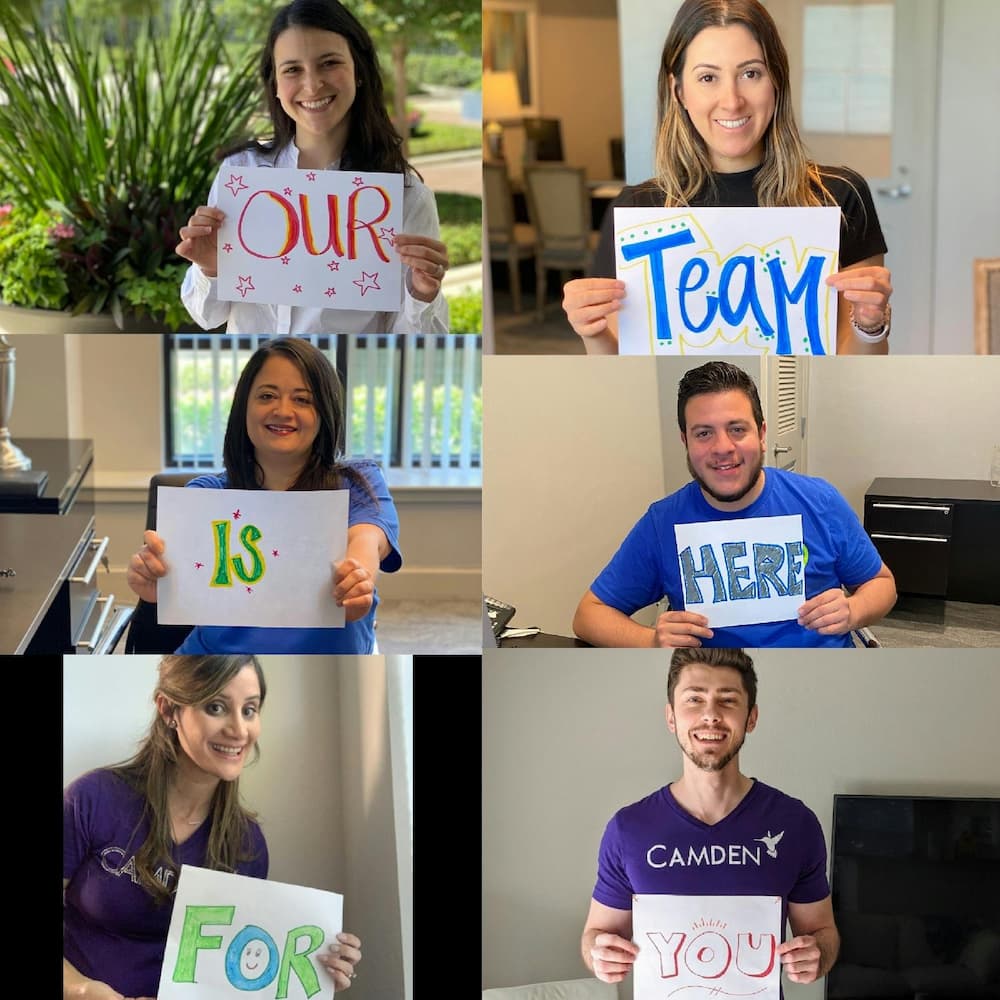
(711, 855)
(110, 855)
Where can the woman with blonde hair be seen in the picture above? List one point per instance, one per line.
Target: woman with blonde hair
(728, 138)
(128, 828)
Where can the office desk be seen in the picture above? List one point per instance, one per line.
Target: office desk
(544, 640)
(67, 461)
(940, 537)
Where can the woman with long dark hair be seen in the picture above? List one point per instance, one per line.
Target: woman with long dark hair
(128, 828)
(286, 431)
(323, 92)
(728, 138)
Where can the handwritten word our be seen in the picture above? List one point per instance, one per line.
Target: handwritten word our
(290, 225)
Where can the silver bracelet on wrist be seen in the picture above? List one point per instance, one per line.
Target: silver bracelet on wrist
(872, 336)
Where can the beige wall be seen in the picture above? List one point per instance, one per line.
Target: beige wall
(109, 388)
(571, 736)
(929, 416)
(562, 483)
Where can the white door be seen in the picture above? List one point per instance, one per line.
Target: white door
(784, 412)
(878, 48)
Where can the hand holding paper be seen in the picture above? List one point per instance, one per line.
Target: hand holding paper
(612, 957)
(428, 262)
(200, 239)
(340, 958)
(147, 566)
(828, 613)
(353, 588)
(868, 288)
(681, 628)
(800, 957)
(589, 302)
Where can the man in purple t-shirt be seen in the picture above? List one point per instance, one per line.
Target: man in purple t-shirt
(714, 831)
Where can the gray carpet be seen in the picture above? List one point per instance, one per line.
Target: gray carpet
(926, 621)
(522, 333)
(416, 627)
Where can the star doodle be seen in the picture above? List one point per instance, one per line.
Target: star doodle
(198, 565)
(296, 288)
(236, 184)
(274, 552)
(249, 590)
(388, 233)
(367, 282)
(358, 181)
(311, 175)
(330, 292)
(286, 259)
(236, 514)
(288, 192)
(228, 247)
(245, 284)
(334, 265)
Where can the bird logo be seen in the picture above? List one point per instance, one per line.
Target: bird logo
(770, 842)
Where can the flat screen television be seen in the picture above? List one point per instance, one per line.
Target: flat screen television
(916, 896)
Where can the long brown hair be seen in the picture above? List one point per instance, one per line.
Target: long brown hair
(683, 166)
(183, 681)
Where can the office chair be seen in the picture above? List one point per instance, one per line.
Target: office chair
(559, 208)
(542, 140)
(145, 634)
(510, 240)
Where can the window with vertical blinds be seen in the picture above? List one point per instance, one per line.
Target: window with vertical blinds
(414, 401)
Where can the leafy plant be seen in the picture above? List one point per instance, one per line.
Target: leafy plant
(29, 274)
(465, 313)
(119, 143)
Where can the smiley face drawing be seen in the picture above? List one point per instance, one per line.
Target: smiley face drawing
(252, 959)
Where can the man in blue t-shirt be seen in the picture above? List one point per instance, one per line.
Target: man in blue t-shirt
(714, 831)
(826, 548)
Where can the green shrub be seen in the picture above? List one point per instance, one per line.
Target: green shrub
(458, 208)
(465, 313)
(464, 243)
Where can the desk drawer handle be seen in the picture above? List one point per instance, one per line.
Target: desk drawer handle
(100, 546)
(109, 606)
(912, 506)
(910, 538)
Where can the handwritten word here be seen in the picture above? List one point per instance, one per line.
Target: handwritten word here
(230, 934)
(743, 571)
(727, 280)
(321, 238)
(250, 557)
(707, 946)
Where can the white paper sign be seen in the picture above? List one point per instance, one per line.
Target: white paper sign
(230, 934)
(743, 572)
(321, 238)
(250, 557)
(706, 946)
(727, 280)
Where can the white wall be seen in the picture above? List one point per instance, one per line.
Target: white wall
(323, 787)
(930, 416)
(571, 736)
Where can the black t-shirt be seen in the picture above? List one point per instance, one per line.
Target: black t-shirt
(860, 233)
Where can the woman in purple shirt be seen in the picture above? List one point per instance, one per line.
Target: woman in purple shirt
(127, 829)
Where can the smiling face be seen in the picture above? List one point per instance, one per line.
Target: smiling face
(725, 452)
(282, 422)
(729, 95)
(316, 84)
(218, 736)
(254, 959)
(709, 715)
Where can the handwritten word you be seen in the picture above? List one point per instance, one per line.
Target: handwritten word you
(766, 294)
(710, 954)
(280, 226)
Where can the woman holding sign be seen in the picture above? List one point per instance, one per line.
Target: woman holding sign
(728, 138)
(127, 829)
(325, 99)
(286, 432)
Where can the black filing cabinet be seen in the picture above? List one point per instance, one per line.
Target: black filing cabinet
(940, 537)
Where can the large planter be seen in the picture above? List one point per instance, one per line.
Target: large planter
(17, 320)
